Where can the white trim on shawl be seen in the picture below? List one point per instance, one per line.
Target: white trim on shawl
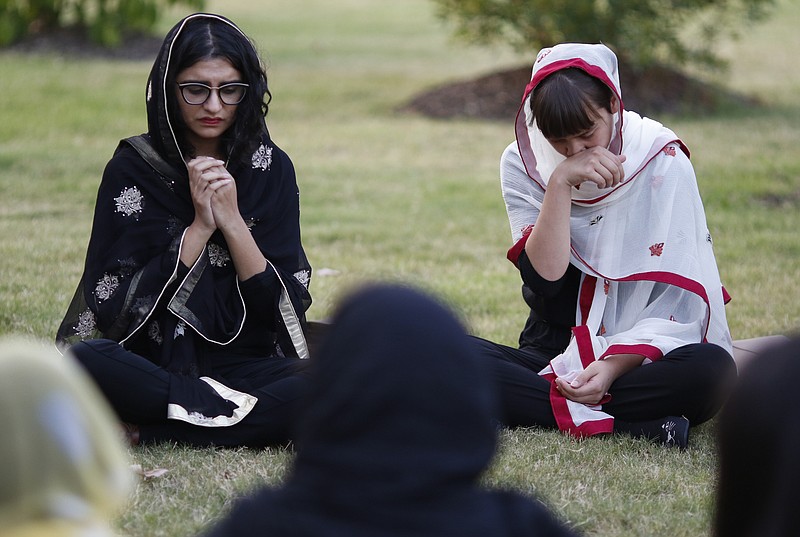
(290, 319)
(244, 401)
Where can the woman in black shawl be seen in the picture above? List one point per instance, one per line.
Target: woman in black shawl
(190, 311)
(398, 428)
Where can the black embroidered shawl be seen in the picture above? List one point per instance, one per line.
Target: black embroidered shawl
(134, 288)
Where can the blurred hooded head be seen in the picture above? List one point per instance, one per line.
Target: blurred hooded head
(64, 467)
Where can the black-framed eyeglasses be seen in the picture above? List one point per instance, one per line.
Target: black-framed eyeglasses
(195, 93)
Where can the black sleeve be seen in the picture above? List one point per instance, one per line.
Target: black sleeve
(259, 292)
(539, 285)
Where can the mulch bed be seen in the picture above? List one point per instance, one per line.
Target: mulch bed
(497, 96)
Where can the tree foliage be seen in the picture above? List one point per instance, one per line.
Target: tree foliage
(642, 32)
(105, 21)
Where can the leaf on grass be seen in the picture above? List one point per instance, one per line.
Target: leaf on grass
(148, 474)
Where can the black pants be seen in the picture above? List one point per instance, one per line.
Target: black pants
(690, 381)
(138, 390)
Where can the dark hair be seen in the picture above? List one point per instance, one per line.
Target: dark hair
(563, 103)
(206, 38)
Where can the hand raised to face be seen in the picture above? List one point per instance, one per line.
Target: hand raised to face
(595, 164)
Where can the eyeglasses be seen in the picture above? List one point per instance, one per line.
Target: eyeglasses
(195, 93)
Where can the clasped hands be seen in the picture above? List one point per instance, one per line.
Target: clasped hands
(213, 192)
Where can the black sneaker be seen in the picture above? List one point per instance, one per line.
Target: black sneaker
(675, 432)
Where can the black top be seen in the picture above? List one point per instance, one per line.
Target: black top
(552, 304)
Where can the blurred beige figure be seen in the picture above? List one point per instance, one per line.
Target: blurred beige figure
(64, 470)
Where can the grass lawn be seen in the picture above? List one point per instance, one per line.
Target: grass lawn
(387, 196)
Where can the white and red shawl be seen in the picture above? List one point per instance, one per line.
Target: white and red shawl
(650, 282)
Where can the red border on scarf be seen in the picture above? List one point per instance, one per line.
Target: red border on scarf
(564, 419)
(586, 296)
(559, 403)
(515, 251)
(642, 349)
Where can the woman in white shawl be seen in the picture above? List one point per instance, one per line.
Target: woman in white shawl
(627, 330)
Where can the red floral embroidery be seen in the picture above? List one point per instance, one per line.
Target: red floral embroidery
(606, 284)
(657, 249)
(543, 55)
(669, 151)
(527, 230)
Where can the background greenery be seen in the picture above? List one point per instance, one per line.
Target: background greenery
(104, 21)
(395, 197)
(641, 32)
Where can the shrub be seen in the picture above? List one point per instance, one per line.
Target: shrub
(104, 21)
(642, 32)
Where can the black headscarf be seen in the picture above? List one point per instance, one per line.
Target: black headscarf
(134, 288)
(398, 429)
(226, 38)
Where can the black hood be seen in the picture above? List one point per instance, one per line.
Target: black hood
(398, 431)
(401, 406)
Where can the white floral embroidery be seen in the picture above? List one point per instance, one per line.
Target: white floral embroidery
(218, 255)
(180, 329)
(303, 277)
(154, 332)
(86, 324)
(262, 158)
(106, 287)
(129, 201)
(198, 418)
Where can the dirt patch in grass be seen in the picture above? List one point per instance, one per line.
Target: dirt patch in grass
(781, 201)
(497, 96)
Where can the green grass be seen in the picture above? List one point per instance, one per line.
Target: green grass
(396, 197)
